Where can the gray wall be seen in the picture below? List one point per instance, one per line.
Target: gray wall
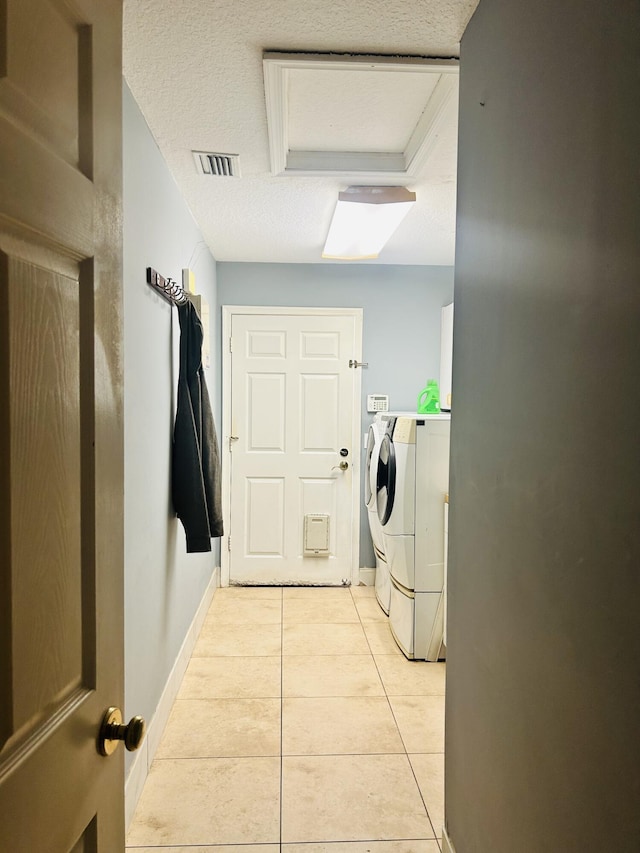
(163, 584)
(401, 326)
(543, 693)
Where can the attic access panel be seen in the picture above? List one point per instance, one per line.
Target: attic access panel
(375, 117)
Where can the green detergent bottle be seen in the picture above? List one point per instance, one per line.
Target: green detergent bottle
(429, 399)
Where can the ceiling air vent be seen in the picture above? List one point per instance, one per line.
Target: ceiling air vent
(217, 165)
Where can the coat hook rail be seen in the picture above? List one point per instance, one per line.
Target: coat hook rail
(166, 287)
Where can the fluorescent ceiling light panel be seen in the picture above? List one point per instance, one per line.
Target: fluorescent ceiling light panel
(364, 220)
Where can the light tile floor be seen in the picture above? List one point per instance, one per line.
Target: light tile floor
(299, 728)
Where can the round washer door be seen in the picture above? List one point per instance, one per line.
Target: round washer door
(386, 480)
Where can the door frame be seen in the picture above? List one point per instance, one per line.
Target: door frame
(228, 311)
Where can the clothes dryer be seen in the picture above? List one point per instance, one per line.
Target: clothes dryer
(413, 477)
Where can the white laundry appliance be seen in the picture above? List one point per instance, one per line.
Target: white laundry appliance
(374, 439)
(376, 432)
(412, 481)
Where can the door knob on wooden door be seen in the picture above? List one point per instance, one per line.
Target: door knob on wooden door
(112, 731)
(342, 466)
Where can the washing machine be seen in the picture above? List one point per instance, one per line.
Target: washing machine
(412, 480)
(376, 432)
(374, 439)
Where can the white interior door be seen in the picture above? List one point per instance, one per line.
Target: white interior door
(294, 420)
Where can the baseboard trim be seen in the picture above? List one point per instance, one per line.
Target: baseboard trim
(139, 770)
(368, 577)
(447, 844)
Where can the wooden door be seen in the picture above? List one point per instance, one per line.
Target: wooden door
(61, 479)
(294, 420)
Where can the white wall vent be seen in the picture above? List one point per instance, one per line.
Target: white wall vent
(217, 165)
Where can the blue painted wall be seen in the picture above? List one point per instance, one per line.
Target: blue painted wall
(163, 584)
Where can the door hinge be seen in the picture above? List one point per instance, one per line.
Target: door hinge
(228, 543)
(230, 344)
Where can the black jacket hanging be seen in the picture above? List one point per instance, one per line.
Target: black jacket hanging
(196, 460)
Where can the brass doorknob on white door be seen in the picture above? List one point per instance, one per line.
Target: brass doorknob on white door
(112, 731)
(342, 466)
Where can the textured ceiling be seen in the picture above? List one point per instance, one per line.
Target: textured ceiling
(195, 69)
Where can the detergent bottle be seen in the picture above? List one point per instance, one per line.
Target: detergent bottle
(429, 399)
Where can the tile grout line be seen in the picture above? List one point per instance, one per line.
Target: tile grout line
(402, 741)
(406, 752)
(375, 663)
